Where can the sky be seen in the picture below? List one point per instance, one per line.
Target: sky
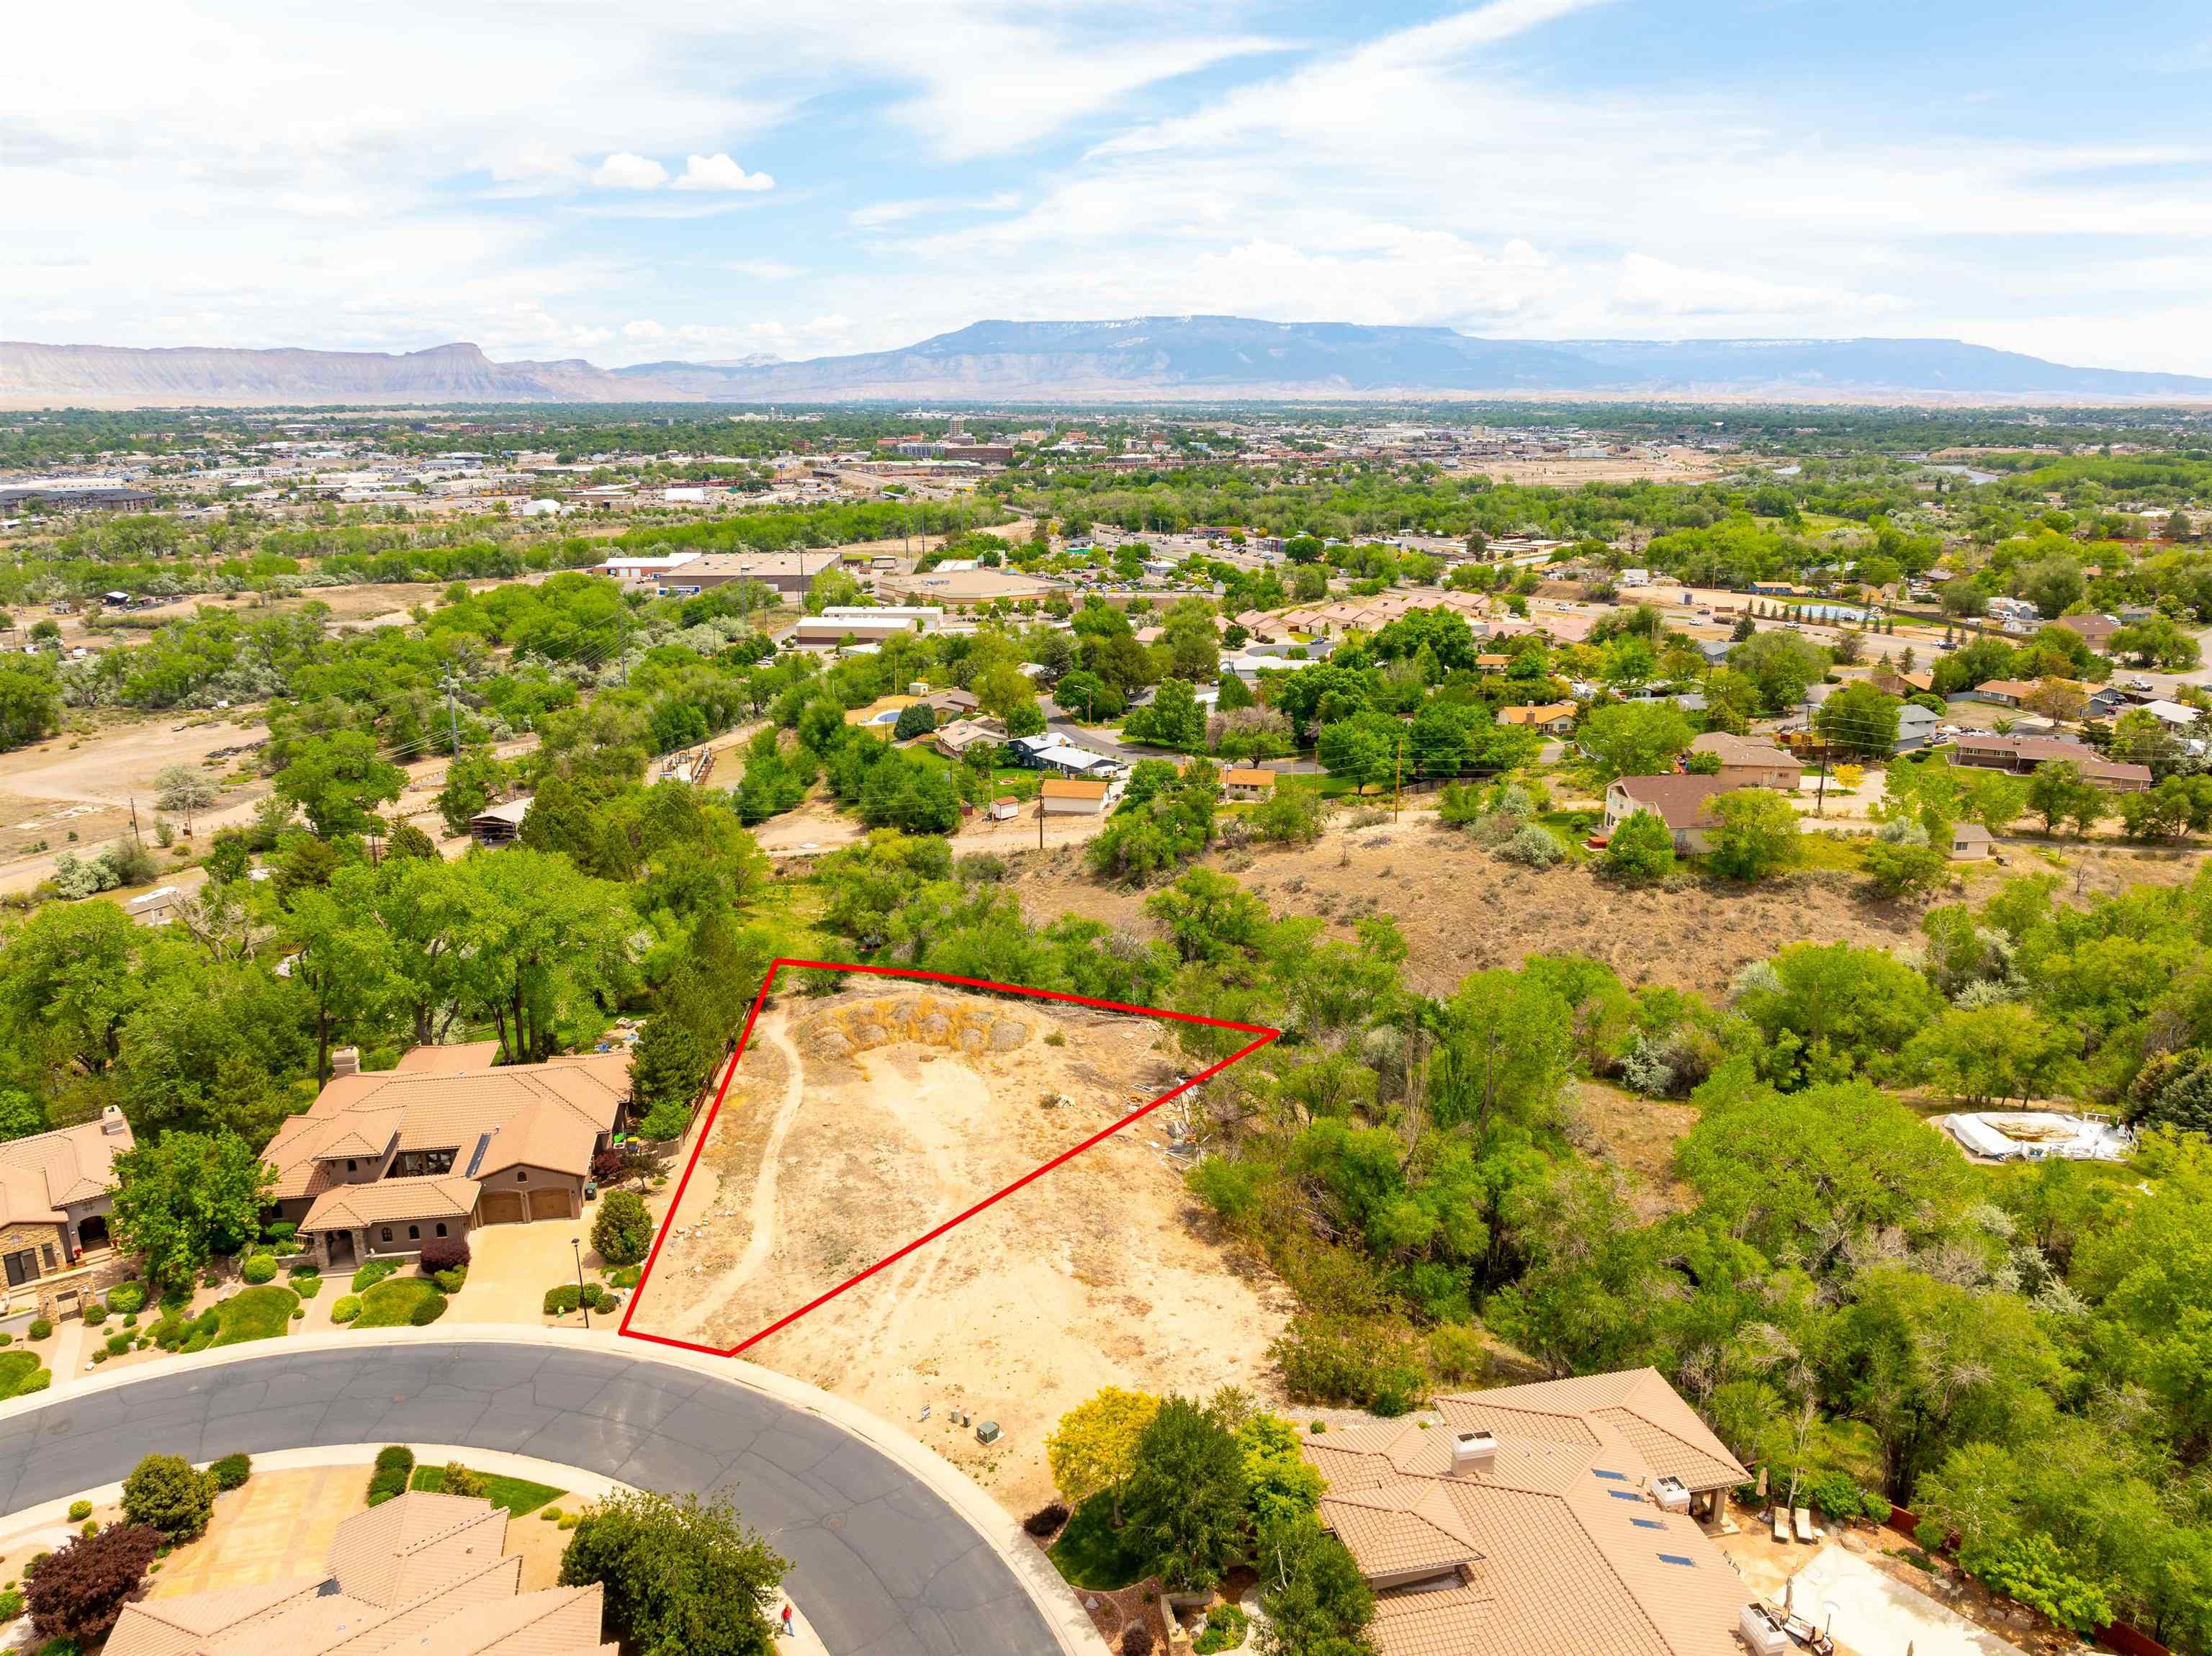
(710, 179)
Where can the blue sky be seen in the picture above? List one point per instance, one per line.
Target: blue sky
(681, 177)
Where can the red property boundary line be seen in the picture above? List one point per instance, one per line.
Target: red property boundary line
(1264, 1033)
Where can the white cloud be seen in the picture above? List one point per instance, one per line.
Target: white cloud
(720, 172)
(623, 171)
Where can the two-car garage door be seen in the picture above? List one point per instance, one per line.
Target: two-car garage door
(511, 1207)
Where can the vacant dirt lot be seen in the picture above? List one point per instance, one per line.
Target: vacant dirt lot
(1463, 910)
(859, 1122)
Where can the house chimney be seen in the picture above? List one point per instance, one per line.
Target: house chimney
(1472, 1452)
(111, 1121)
(346, 1061)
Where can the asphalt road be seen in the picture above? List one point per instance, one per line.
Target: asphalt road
(882, 1565)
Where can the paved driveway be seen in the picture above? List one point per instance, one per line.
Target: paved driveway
(511, 1266)
(883, 1563)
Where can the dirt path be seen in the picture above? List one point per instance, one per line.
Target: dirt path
(772, 1030)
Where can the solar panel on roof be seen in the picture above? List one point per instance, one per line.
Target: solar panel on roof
(1677, 1558)
(1648, 1523)
(483, 1144)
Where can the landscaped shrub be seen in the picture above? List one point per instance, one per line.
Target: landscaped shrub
(372, 1273)
(78, 1591)
(1046, 1520)
(42, 1328)
(451, 1282)
(165, 1492)
(623, 1234)
(2031, 1570)
(124, 1298)
(427, 1312)
(95, 1313)
(394, 1465)
(1225, 1628)
(459, 1480)
(444, 1253)
(231, 1471)
(281, 1232)
(627, 1276)
(79, 1511)
(306, 1287)
(393, 1304)
(560, 1301)
(261, 1268)
(117, 1344)
(11, 1604)
(347, 1307)
(601, 1298)
(1137, 1639)
(254, 1313)
(99, 1355)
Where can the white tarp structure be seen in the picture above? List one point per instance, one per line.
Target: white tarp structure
(2039, 1135)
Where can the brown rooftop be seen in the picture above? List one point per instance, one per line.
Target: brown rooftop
(1681, 802)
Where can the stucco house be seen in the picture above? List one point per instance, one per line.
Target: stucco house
(385, 1161)
(1566, 1516)
(55, 1191)
(426, 1573)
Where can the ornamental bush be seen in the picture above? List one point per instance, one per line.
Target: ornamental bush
(126, 1298)
(372, 1273)
(347, 1308)
(165, 1492)
(79, 1511)
(444, 1253)
(42, 1328)
(231, 1471)
(428, 1312)
(623, 1233)
(261, 1268)
(560, 1301)
(78, 1591)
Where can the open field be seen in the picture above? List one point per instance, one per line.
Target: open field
(859, 1121)
(1462, 910)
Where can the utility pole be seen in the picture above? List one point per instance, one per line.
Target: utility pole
(1820, 805)
(1397, 778)
(134, 819)
(452, 721)
(1040, 815)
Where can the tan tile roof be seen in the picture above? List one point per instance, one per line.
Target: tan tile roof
(38, 1174)
(385, 1201)
(1740, 749)
(1408, 1526)
(1071, 787)
(1566, 1552)
(426, 1575)
(557, 1109)
(1238, 776)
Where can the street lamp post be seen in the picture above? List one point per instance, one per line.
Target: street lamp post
(577, 1242)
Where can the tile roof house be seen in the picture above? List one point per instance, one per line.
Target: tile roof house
(1683, 803)
(424, 1574)
(1746, 762)
(384, 1161)
(1552, 1520)
(56, 1191)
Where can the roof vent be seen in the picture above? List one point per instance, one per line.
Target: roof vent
(1472, 1452)
(346, 1061)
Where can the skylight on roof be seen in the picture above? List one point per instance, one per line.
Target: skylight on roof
(1677, 1558)
(1648, 1523)
(1623, 1495)
(1599, 1471)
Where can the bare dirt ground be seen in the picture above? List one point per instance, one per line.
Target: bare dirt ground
(85, 779)
(1677, 466)
(1462, 910)
(859, 1122)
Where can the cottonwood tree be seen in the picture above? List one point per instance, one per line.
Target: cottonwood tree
(184, 791)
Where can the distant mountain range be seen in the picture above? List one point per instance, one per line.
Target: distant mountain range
(1146, 359)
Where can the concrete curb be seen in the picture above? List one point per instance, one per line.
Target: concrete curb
(1047, 1590)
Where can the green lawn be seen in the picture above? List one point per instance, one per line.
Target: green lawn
(391, 1303)
(518, 1494)
(255, 1314)
(16, 1368)
(1089, 1551)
